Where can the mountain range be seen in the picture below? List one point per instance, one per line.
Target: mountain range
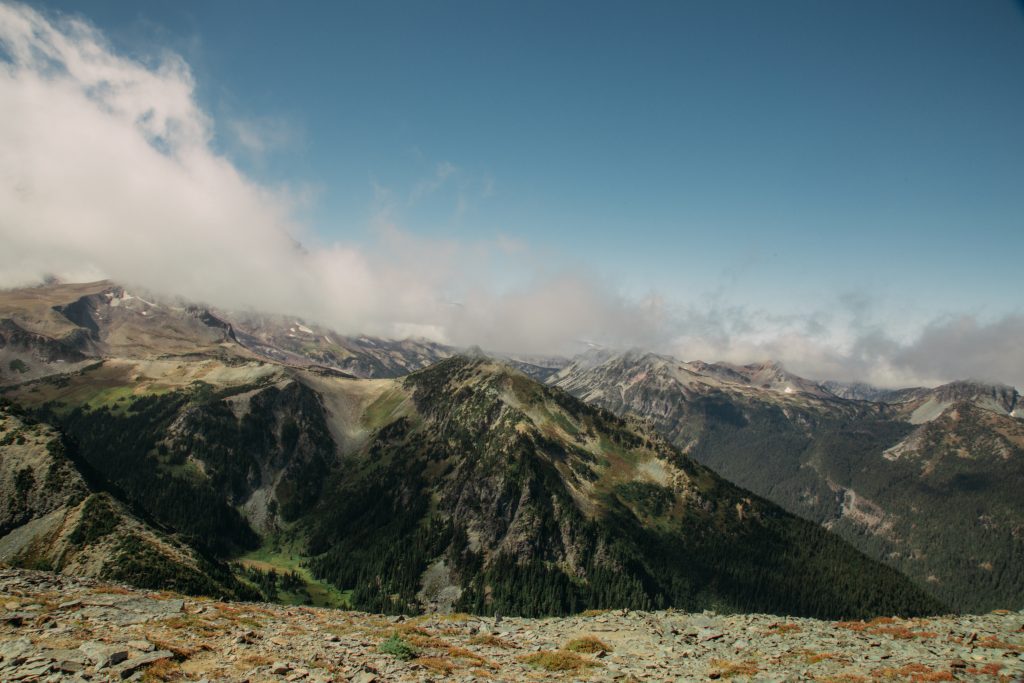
(927, 480)
(174, 445)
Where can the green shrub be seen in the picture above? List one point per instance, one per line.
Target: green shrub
(396, 646)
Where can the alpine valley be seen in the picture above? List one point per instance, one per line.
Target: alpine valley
(168, 445)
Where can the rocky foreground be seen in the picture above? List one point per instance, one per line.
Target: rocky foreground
(55, 628)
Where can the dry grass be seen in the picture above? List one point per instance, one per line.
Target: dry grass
(163, 670)
(160, 595)
(594, 612)
(438, 665)
(257, 660)
(994, 643)
(864, 625)
(450, 630)
(558, 660)
(917, 673)
(992, 669)
(887, 626)
(777, 629)
(455, 616)
(901, 632)
(463, 653)
(425, 641)
(587, 644)
(411, 629)
(492, 641)
(727, 669)
(814, 658)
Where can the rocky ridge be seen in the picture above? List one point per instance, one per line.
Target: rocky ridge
(56, 628)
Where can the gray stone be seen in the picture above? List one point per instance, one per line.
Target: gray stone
(14, 652)
(103, 655)
(132, 665)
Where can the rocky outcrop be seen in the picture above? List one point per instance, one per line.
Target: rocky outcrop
(35, 478)
(71, 346)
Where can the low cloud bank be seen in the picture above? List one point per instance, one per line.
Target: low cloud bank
(947, 349)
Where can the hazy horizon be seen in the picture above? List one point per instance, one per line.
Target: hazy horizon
(836, 187)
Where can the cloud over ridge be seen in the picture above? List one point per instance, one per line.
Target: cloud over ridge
(108, 169)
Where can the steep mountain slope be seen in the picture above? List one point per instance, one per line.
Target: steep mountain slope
(56, 516)
(525, 500)
(930, 485)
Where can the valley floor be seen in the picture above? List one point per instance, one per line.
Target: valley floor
(55, 628)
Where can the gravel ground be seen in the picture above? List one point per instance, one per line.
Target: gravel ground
(55, 628)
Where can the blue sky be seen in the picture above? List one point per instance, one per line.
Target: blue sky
(784, 158)
(862, 144)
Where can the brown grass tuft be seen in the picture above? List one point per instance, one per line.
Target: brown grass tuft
(992, 669)
(726, 669)
(257, 660)
(862, 625)
(463, 653)
(455, 616)
(412, 629)
(587, 644)
(901, 632)
(492, 641)
(820, 657)
(594, 612)
(162, 670)
(557, 660)
(436, 664)
(994, 643)
(887, 626)
(426, 641)
(917, 673)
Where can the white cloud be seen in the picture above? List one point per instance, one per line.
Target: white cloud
(428, 186)
(108, 170)
(853, 347)
(257, 136)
